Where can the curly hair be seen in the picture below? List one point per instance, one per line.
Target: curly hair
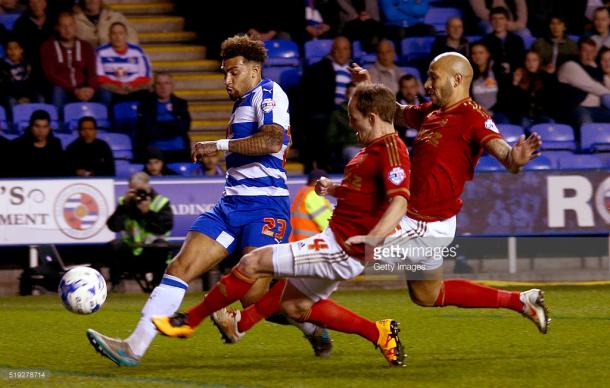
(242, 45)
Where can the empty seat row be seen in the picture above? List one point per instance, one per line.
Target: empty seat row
(594, 137)
(552, 160)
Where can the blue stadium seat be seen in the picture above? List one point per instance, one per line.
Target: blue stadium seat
(473, 38)
(540, 163)
(287, 77)
(75, 110)
(416, 48)
(555, 136)
(22, 113)
(9, 19)
(66, 138)
(528, 41)
(556, 156)
(3, 120)
(510, 132)
(489, 163)
(595, 137)
(317, 49)
(413, 71)
(581, 162)
(125, 116)
(282, 53)
(362, 57)
(9, 135)
(119, 143)
(124, 169)
(184, 169)
(438, 16)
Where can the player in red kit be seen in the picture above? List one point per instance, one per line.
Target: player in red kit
(453, 133)
(371, 200)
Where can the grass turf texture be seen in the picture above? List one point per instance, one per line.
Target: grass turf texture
(448, 346)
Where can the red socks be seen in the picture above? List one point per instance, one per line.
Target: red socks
(464, 293)
(266, 306)
(327, 313)
(229, 289)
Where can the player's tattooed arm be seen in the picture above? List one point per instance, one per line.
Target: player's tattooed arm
(268, 140)
(517, 156)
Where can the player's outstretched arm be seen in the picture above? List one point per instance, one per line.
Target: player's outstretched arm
(268, 140)
(386, 225)
(517, 156)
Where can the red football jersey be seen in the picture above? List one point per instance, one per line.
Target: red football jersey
(377, 173)
(446, 150)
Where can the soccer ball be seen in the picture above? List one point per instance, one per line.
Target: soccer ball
(82, 290)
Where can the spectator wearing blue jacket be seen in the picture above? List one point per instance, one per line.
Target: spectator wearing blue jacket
(404, 18)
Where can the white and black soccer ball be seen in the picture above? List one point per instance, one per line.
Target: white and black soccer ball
(82, 290)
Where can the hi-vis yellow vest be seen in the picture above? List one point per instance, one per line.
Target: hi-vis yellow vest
(309, 214)
(134, 235)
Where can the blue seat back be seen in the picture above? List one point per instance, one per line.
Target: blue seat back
(119, 143)
(124, 169)
(9, 19)
(413, 71)
(125, 116)
(540, 163)
(317, 49)
(581, 162)
(489, 163)
(556, 156)
(438, 16)
(282, 53)
(23, 112)
(66, 138)
(362, 57)
(595, 137)
(75, 110)
(555, 136)
(184, 169)
(416, 47)
(510, 132)
(3, 120)
(286, 77)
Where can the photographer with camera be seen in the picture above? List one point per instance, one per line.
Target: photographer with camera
(145, 219)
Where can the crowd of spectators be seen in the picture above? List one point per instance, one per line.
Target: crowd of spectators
(534, 61)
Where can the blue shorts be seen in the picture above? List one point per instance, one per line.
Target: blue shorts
(237, 225)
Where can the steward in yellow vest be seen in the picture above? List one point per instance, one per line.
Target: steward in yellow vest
(309, 212)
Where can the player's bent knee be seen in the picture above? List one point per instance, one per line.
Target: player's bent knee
(249, 264)
(422, 296)
(296, 309)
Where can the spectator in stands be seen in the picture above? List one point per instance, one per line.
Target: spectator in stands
(145, 219)
(17, 83)
(324, 85)
(584, 98)
(384, 70)
(11, 7)
(341, 139)
(531, 93)
(164, 122)
(5, 160)
(405, 18)
(516, 15)
(33, 28)
(123, 69)
(154, 163)
(321, 19)
(210, 166)
(556, 47)
(489, 82)
(603, 58)
(69, 65)
(601, 27)
(88, 155)
(310, 213)
(454, 41)
(93, 22)
(409, 91)
(284, 22)
(506, 48)
(37, 153)
(360, 22)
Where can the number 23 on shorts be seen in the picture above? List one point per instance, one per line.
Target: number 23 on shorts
(274, 227)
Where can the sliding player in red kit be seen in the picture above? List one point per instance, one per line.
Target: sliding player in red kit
(371, 200)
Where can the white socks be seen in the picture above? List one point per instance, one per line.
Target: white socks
(307, 328)
(164, 300)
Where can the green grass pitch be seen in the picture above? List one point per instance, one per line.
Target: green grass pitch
(445, 347)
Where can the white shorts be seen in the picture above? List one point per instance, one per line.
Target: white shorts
(316, 265)
(423, 244)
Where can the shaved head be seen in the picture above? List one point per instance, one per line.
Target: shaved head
(449, 78)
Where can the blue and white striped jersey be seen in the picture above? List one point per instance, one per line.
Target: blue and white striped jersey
(262, 178)
(122, 67)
